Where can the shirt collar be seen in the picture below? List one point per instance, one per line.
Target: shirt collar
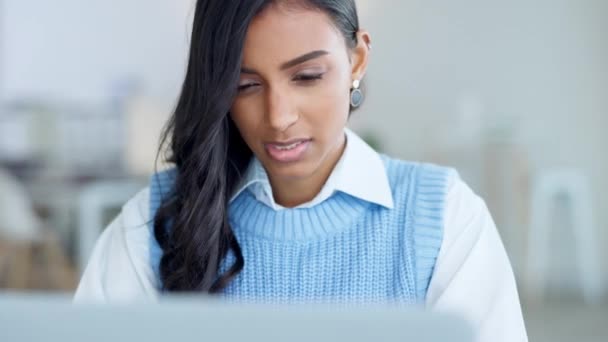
(360, 172)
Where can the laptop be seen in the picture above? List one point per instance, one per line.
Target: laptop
(26, 317)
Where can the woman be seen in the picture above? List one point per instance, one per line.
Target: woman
(272, 199)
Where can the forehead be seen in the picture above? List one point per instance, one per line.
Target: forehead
(279, 34)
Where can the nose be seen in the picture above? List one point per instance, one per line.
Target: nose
(281, 111)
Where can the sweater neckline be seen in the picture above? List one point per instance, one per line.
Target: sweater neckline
(337, 213)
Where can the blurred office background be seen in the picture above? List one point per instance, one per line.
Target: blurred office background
(513, 94)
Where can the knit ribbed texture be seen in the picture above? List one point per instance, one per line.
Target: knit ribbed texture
(343, 250)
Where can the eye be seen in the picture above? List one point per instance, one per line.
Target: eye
(307, 78)
(246, 86)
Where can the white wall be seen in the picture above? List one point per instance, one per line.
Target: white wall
(83, 52)
(76, 50)
(543, 63)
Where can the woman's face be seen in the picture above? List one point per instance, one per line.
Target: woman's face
(294, 91)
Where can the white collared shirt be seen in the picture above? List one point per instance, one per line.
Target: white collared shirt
(362, 163)
(472, 275)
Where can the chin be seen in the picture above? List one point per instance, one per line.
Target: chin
(296, 170)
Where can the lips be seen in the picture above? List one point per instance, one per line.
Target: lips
(287, 142)
(287, 151)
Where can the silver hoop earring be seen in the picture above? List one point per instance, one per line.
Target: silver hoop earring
(356, 96)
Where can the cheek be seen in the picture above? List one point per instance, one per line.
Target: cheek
(328, 107)
(246, 120)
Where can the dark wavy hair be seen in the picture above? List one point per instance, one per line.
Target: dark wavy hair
(209, 154)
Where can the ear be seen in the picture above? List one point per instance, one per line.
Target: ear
(360, 55)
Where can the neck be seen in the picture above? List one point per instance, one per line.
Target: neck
(290, 193)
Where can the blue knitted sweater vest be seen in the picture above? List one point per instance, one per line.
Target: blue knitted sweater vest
(343, 250)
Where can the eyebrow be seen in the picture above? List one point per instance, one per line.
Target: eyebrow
(298, 60)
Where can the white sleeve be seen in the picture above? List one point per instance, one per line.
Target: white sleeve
(473, 276)
(119, 268)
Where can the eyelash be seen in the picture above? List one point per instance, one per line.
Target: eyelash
(308, 78)
(246, 86)
(299, 78)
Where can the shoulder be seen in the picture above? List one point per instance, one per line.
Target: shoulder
(466, 215)
(421, 190)
(419, 178)
(473, 276)
(120, 267)
(465, 219)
